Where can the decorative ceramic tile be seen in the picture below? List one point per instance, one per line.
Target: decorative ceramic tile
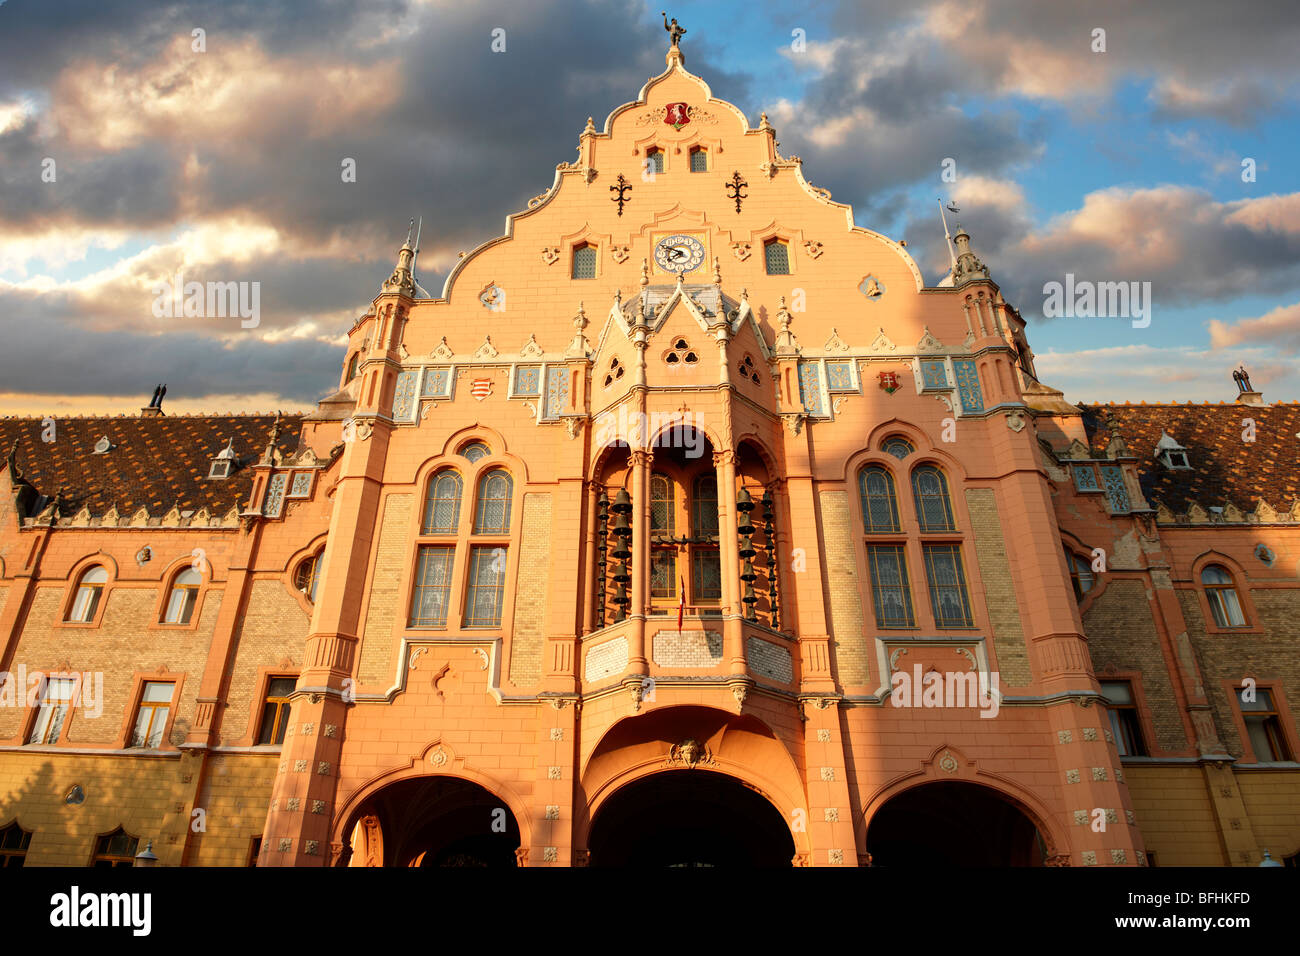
(301, 486)
(404, 397)
(437, 383)
(934, 374)
(839, 377)
(1085, 478)
(274, 502)
(968, 385)
(810, 388)
(528, 381)
(557, 391)
(1113, 478)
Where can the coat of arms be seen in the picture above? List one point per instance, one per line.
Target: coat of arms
(481, 388)
(677, 115)
(889, 382)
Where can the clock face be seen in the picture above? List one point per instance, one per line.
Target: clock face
(679, 254)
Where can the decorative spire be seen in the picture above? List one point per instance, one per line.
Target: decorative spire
(580, 348)
(645, 272)
(968, 266)
(402, 281)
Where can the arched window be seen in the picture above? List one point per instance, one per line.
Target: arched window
(352, 367)
(662, 505)
(654, 157)
(699, 159)
(492, 513)
(1080, 574)
(900, 448)
(14, 841)
(116, 849)
(184, 594)
(663, 525)
(475, 451)
(706, 561)
(1222, 595)
(777, 255)
(933, 507)
(879, 503)
(442, 504)
(89, 590)
(584, 261)
(307, 576)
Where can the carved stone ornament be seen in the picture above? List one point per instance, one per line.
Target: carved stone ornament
(690, 753)
(947, 762)
(793, 421)
(620, 253)
(835, 343)
(442, 350)
(487, 350)
(531, 349)
(1016, 420)
(573, 427)
(741, 250)
(883, 343)
(439, 757)
(550, 255)
(814, 249)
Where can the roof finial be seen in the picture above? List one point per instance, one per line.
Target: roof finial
(952, 207)
(675, 34)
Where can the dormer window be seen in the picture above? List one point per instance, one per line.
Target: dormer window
(1171, 454)
(224, 463)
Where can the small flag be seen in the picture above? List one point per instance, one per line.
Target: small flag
(681, 601)
(481, 388)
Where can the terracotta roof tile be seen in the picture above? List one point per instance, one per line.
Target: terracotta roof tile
(1224, 466)
(155, 462)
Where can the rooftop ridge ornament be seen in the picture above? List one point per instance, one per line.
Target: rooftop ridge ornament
(675, 34)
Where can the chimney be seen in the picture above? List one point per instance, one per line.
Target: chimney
(154, 408)
(1245, 394)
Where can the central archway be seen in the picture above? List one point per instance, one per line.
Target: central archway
(952, 824)
(689, 818)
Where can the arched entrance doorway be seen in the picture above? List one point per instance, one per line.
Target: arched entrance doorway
(689, 818)
(952, 824)
(433, 821)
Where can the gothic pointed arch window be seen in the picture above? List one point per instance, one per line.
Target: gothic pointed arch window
(879, 501)
(933, 504)
(663, 525)
(485, 596)
(442, 503)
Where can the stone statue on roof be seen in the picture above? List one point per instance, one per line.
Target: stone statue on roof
(675, 33)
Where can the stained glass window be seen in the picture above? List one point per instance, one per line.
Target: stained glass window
(933, 507)
(492, 515)
(879, 503)
(442, 504)
(891, 593)
(432, 586)
(487, 578)
(948, 598)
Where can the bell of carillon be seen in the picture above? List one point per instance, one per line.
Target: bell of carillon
(689, 525)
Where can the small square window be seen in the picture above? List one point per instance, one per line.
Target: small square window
(584, 262)
(777, 254)
(699, 161)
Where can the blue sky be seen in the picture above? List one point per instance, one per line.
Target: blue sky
(1122, 165)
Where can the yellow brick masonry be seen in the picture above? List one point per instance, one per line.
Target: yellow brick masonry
(532, 591)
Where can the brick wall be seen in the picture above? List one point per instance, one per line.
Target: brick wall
(532, 590)
(848, 630)
(999, 588)
(274, 628)
(1122, 634)
(1175, 815)
(391, 558)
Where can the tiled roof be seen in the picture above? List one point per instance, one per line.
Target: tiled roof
(1224, 466)
(155, 462)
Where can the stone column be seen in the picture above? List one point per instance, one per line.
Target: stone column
(640, 462)
(729, 548)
